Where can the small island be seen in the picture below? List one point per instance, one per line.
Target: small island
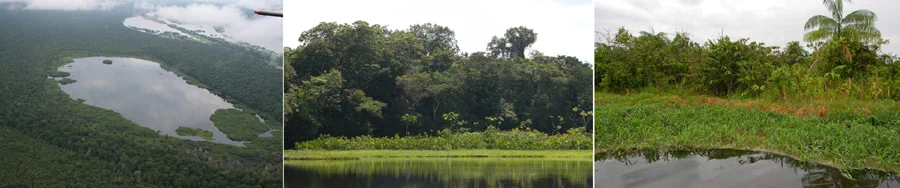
(65, 81)
(238, 125)
(59, 74)
(187, 131)
(108, 62)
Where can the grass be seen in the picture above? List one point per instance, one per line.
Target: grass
(187, 131)
(850, 134)
(516, 139)
(475, 153)
(238, 125)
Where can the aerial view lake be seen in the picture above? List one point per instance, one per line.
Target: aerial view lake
(439, 172)
(146, 94)
(725, 168)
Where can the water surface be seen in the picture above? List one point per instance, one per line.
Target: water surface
(144, 23)
(439, 172)
(724, 168)
(146, 94)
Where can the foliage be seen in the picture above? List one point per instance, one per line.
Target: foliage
(108, 62)
(851, 134)
(59, 74)
(743, 69)
(319, 155)
(65, 81)
(492, 138)
(52, 140)
(364, 79)
(187, 131)
(238, 125)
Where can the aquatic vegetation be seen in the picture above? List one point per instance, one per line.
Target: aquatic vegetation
(461, 153)
(108, 62)
(187, 131)
(238, 125)
(492, 138)
(852, 135)
(59, 74)
(65, 81)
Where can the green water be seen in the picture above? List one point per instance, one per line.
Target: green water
(439, 172)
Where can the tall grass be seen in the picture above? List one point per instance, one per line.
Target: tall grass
(845, 137)
(492, 138)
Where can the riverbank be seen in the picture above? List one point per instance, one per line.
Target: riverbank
(477, 153)
(847, 134)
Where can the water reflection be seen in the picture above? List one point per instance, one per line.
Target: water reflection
(439, 172)
(150, 25)
(724, 168)
(145, 93)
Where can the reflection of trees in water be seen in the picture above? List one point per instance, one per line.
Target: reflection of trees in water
(440, 172)
(815, 176)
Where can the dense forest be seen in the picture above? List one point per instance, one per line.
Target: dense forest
(52, 140)
(357, 79)
(844, 61)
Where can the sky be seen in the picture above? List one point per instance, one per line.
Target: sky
(563, 27)
(774, 22)
(229, 14)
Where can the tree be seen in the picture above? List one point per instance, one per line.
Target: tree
(513, 43)
(438, 42)
(858, 26)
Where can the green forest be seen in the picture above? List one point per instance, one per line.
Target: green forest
(833, 101)
(52, 140)
(365, 81)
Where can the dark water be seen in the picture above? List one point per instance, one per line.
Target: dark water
(439, 172)
(146, 94)
(725, 168)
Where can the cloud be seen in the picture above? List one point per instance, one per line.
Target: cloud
(263, 31)
(67, 4)
(774, 22)
(563, 27)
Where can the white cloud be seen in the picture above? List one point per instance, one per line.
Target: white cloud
(263, 31)
(67, 4)
(774, 22)
(563, 28)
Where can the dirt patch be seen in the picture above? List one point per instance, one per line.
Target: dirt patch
(808, 110)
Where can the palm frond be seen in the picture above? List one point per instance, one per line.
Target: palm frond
(818, 35)
(863, 32)
(836, 7)
(821, 22)
(861, 16)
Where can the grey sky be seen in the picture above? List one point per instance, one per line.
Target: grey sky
(774, 22)
(563, 27)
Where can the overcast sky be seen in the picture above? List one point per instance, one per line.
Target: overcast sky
(774, 22)
(232, 15)
(563, 27)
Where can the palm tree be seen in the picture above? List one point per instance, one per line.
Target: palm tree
(858, 26)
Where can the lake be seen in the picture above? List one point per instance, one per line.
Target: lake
(724, 168)
(146, 94)
(439, 172)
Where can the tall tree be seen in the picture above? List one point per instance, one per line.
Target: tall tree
(513, 43)
(858, 26)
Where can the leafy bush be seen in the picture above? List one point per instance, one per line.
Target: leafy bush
(492, 138)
